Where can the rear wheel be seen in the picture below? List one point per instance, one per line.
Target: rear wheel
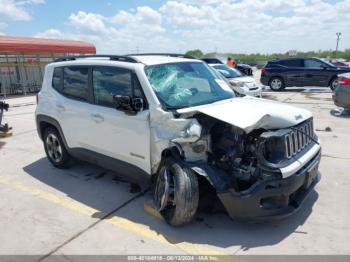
(334, 83)
(176, 193)
(277, 84)
(55, 149)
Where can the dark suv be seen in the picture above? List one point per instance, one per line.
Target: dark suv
(281, 73)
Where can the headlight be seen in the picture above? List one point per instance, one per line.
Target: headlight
(274, 150)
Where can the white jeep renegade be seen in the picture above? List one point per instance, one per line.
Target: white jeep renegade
(174, 122)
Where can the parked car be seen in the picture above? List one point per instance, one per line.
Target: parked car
(338, 63)
(174, 122)
(243, 68)
(341, 95)
(282, 73)
(240, 83)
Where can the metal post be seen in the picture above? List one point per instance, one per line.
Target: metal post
(26, 74)
(41, 73)
(2, 86)
(8, 68)
(338, 38)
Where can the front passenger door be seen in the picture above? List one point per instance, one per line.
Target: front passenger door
(316, 73)
(114, 133)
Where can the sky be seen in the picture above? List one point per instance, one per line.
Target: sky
(235, 26)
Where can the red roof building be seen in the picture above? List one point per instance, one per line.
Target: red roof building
(30, 45)
(23, 61)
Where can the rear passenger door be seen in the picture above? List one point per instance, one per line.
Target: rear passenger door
(114, 133)
(293, 72)
(72, 107)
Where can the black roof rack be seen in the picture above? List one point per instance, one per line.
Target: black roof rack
(119, 58)
(164, 54)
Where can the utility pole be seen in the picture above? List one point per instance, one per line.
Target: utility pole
(338, 38)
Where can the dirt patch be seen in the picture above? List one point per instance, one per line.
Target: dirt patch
(271, 97)
(313, 96)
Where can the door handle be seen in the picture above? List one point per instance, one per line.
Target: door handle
(60, 108)
(97, 118)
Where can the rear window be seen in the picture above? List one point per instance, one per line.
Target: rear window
(57, 79)
(75, 82)
(292, 62)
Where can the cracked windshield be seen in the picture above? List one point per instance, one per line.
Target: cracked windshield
(187, 84)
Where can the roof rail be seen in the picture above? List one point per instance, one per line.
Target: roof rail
(164, 54)
(119, 58)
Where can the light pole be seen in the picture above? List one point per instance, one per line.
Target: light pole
(338, 38)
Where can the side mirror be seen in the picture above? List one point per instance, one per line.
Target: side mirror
(128, 104)
(137, 104)
(324, 67)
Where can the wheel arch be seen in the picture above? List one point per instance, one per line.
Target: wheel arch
(331, 79)
(277, 76)
(43, 122)
(176, 153)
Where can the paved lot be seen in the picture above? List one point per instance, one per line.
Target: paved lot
(87, 210)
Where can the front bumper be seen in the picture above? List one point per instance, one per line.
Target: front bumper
(273, 199)
(256, 93)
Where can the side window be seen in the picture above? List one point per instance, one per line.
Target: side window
(75, 82)
(110, 81)
(57, 79)
(311, 63)
(292, 63)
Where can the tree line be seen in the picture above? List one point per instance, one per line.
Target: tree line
(265, 57)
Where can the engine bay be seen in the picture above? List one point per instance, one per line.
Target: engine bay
(245, 158)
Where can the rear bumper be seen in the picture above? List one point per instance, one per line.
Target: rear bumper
(264, 80)
(273, 199)
(341, 96)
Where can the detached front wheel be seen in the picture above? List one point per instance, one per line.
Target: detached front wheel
(176, 193)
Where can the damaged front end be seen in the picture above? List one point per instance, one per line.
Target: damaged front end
(260, 174)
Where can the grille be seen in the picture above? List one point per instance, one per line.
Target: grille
(296, 141)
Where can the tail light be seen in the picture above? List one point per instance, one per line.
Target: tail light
(263, 70)
(343, 81)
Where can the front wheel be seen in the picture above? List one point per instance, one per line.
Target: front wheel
(176, 193)
(277, 84)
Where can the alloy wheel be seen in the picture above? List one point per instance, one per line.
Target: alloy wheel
(334, 84)
(54, 148)
(276, 84)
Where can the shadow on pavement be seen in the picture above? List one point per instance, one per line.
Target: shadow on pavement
(301, 90)
(100, 189)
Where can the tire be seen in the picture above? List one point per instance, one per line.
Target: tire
(55, 150)
(277, 84)
(177, 202)
(333, 83)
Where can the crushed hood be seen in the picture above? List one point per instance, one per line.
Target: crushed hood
(249, 113)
